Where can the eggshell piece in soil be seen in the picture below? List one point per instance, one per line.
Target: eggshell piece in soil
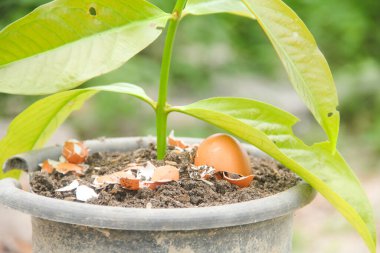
(166, 172)
(65, 168)
(72, 186)
(153, 185)
(75, 151)
(130, 183)
(145, 173)
(47, 167)
(113, 178)
(173, 141)
(241, 181)
(84, 193)
(224, 153)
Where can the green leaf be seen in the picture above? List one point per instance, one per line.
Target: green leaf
(204, 7)
(306, 66)
(270, 129)
(64, 43)
(33, 127)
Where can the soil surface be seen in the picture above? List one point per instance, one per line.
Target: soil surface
(270, 178)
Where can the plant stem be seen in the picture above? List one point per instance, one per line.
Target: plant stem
(161, 112)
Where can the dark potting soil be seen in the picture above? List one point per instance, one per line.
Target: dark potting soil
(270, 178)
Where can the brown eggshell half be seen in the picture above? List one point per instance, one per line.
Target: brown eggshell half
(241, 182)
(75, 151)
(224, 153)
(164, 173)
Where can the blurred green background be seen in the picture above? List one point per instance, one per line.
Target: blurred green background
(223, 55)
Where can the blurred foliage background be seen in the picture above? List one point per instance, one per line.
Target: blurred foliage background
(223, 55)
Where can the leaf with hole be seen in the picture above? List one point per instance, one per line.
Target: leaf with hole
(270, 129)
(64, 43)
(46, 115)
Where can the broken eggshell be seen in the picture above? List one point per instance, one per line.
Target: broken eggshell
(166, 173)
(153, 184)
(201, 172)
(173, 141)
(224, 153)
(62, 167)
(130, 183)
(47, 166)
(162, 175)
(146, 173)
(72, 186)
(239, 181)
(65, 168)
(148, 176)
(114, 178)
(85, 193)
(75, 151)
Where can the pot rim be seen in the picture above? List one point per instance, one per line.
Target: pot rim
(155, 219)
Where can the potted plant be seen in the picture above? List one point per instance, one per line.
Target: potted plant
(64, 43)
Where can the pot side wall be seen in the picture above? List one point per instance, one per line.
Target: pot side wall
(271, 236)
(259, 226)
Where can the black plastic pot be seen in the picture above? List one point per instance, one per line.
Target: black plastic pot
(263, 225)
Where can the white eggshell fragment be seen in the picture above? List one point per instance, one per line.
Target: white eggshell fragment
(72, 186)
(85, 193)
(146, 173)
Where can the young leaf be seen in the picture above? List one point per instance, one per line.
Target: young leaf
(64, 43)
(203, 7)
(306, 66)
(33, 127)
(269, 129)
